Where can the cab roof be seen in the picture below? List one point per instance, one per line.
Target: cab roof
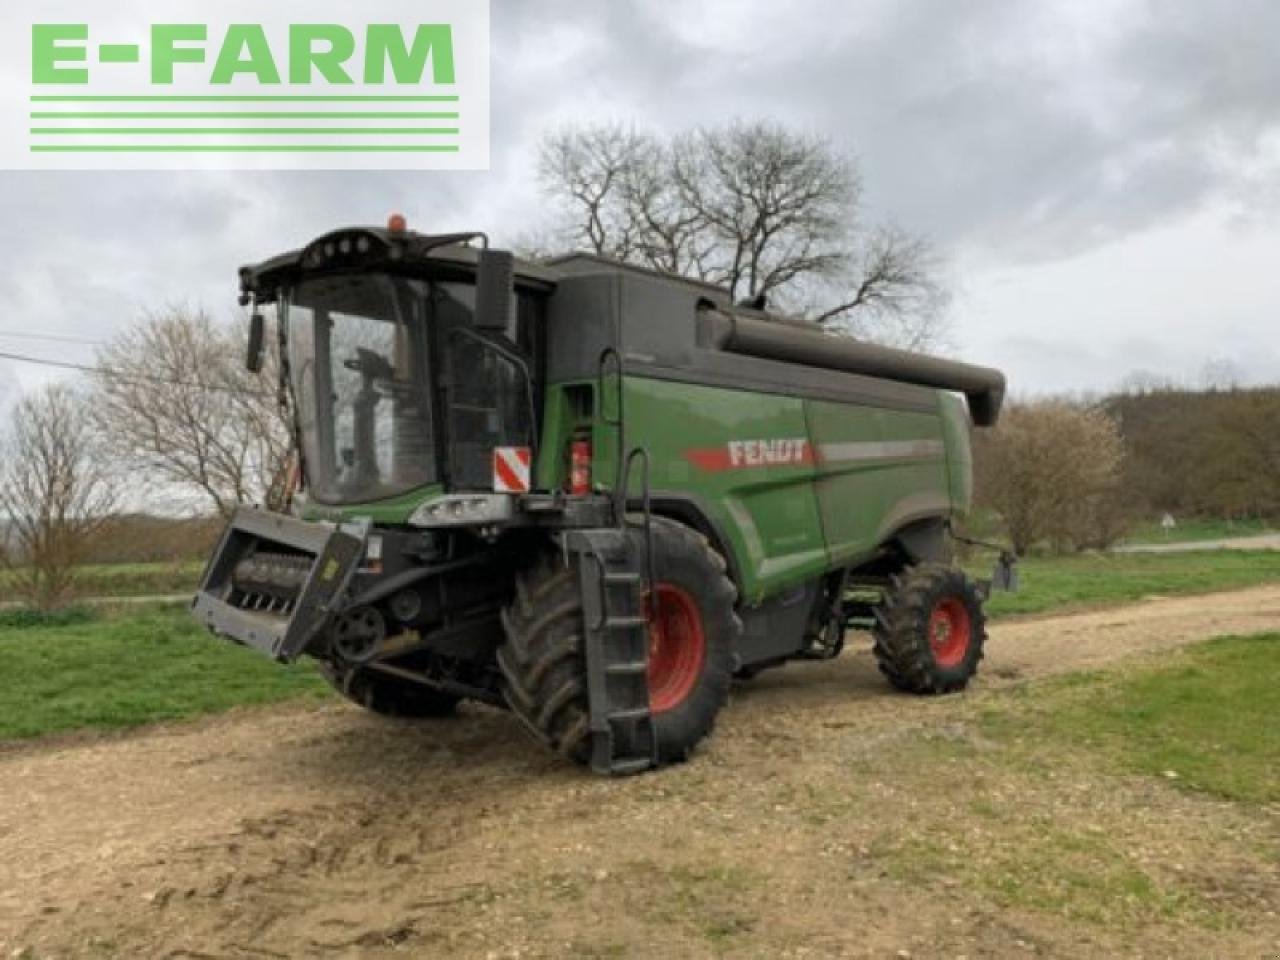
(412, 252)
(377, 248)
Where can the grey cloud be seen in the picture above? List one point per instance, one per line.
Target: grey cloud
(1102, 367)
(1016, 134)
(8, 392)
(989, 123)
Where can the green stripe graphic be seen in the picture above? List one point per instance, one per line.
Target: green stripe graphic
(220, 115)
(239, 131)
(245, 148)
(203, 107)
(243, 99)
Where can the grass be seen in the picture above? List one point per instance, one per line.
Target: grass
(708, 898)
(78, 668)
(1047, 583)
(1115, 798)
(1049, 868)
(23, 618)
(1194, 529)
(1207, 721)
(129, 579)
(121, 670)
(1058, 583)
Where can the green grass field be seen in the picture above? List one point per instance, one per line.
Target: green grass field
(1128, 800)
(128, 579)
(1205, 720)
(1047, 583)
(1193, 529)
(1062, 583)
(125, 666)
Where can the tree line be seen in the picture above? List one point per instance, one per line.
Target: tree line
(1054, 474)
(169, 417)
(1066, 475)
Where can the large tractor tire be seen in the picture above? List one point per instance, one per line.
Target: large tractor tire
(930, 630)
(387, 695)
(693, 636)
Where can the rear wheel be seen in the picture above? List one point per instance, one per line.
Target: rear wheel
(693, 633)
(388, 695)
(930, 630)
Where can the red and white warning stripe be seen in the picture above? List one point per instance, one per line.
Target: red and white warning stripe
(798, 451)
(511, 469)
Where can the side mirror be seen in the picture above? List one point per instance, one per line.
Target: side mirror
(495, 288)
(253, 360)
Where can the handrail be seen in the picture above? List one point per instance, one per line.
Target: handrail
(610, 357)
(646, 503)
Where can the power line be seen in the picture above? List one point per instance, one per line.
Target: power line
(125, 377)
(24, 335)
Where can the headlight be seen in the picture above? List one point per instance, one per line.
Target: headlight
(464, 509)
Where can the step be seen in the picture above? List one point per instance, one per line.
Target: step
(625, 623)
(631, 765)
(629, 577)
(632, 713)
(627, 667)
(613, 546)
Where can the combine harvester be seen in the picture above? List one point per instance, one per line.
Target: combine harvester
(591, 493)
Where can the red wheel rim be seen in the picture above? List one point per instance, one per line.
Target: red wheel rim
(677, 647)
(949, 631)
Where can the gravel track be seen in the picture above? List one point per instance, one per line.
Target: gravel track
(325, 831)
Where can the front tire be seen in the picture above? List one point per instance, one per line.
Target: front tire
(930, 630)
(693, 635)
(693, 638)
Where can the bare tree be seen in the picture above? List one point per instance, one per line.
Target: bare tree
(1052, 471)
(1220, 373)
(759, 209)
(181, 409)
(894, 294)
(587, 168)
(772, 204)
(1140, 382)
(55, 494)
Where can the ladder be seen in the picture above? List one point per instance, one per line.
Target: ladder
(616, 645)
(615, 625)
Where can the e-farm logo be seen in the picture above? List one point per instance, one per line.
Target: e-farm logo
(402, 85)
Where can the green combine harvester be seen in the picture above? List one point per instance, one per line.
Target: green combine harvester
(591, 493)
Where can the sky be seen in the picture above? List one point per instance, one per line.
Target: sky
(1102, 177)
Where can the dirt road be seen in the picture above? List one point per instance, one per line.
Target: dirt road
(331, 833)
(1261, 541)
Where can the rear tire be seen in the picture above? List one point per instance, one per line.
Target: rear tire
(930, 630)
(389, 696)
(691, 651)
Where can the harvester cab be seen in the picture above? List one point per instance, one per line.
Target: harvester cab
(589, 492)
